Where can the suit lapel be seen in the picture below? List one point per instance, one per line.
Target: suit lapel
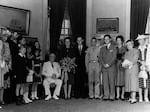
(110, 47)
(107, 50)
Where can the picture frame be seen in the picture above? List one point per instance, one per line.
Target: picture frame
(107, 25)
(17, 19)
(30, 40)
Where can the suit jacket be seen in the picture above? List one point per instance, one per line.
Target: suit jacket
(80, 57)
(108, 56)
(48, 70)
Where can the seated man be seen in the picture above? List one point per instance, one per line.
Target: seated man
(52, 72)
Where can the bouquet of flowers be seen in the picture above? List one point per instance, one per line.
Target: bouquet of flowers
(68, 64)
(127, 64)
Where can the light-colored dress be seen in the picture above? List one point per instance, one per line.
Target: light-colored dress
(3, 70)
(131, 74)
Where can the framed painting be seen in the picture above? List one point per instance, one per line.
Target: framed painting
(15, 19)
(107, 25)
(30, 40)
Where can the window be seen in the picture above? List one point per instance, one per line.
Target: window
(66, 27)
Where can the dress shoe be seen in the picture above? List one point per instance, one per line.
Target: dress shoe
(111, 99)
(146, 100)
(123, 99)
(129, 100)
(36, 97)
(18, 100)
(91, 98)
(30, 101)
(55, 97)
(105, 99)
(26, 100)
(32, 98)
(117, 98)
(48, 97)
(133, 101)
(140, 100)
(2, 103)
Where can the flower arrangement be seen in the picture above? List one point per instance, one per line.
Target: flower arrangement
(127, 64)
(68, 64)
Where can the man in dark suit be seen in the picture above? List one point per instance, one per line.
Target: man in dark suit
(80, 76)
(108, 60)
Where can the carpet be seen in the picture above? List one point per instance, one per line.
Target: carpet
(78, 105)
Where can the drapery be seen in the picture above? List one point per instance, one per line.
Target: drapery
(56, 19)
(77, 12)
(139, 15)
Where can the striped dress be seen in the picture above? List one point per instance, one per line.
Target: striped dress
(142, 57)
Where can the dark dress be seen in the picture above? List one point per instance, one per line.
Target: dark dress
(21, 70)
(37, 68)
(81, 78)
(68, 52)
(120, 78)
(29, 61)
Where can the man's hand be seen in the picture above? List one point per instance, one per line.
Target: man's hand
(54, 76)
(106, 65)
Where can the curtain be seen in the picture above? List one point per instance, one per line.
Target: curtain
(77, 12)
(139, 15)
(56, 19)
(147, 31)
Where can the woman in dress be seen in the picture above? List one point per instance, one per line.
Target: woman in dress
(131, 71)
(21, 73)
(29, 58)
(8, 61)
(68, 78)
(3, 70)
(37, 78)
(143, 75)
(37, 47)
(120, 78)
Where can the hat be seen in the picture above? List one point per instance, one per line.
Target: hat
(141, 37)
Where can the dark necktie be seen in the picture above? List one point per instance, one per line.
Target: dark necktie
(52, 65)
(106, 47)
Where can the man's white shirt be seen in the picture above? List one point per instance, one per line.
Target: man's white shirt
(48, 70)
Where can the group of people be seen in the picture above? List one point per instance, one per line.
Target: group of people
(109, 69)
(20, 67)
(105, 70)
(120, 68)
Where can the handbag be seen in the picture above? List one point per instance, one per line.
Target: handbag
(30, 76)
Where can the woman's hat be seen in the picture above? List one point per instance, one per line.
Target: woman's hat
(141, 37)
